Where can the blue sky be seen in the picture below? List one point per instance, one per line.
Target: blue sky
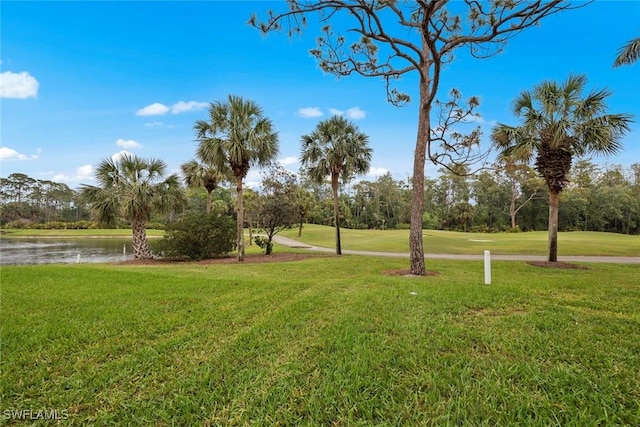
(82, 81)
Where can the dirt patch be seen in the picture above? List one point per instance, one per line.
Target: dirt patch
(249, 259)
(557, 265)
(407, 273)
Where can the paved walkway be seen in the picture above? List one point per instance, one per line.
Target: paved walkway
(608, 259)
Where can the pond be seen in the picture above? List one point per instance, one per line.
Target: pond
(23, 251)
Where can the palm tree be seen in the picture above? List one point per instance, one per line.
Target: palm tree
(131, 188)
(629, 53)
(201, 175)
(238, 136)
(336, 148)
(558, 124)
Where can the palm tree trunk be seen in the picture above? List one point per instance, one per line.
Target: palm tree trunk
(300, 227)
(140, 242)
(512, 206)
(240, 218)
(554, 198)
(208, 201)
(336, 211)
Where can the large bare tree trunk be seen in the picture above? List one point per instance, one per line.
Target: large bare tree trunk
(240, 218)
(140, 243)
(416, 250)
(554, 198)
(336, 211)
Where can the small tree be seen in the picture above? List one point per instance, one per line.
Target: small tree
(276, 205)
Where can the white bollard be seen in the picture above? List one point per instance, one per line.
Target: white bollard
(124, 252)
(78, 259)
(487, 267)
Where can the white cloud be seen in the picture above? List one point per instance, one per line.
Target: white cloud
(127, 144)
(288, 161)
(7, 153)
(83, 173)
(18, 85)
(183, 107)
(309, 112)
(117, 156)
(355, 113)
(153, 124)
(158, 109)
(155, 109)
(377, 172)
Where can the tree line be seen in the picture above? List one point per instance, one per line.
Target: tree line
(501, 198)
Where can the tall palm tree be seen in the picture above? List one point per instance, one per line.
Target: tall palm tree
(558, 124)
(629, 53)
(238, 136)
(131, 188)
(197, 175)
(335, 149)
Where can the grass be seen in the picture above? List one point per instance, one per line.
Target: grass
(450, 242)
(322, 341)
(435, 241)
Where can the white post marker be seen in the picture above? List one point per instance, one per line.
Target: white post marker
(78, 259)
(487, 267)
(124, 252)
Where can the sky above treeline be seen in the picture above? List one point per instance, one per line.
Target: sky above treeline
(84, 81)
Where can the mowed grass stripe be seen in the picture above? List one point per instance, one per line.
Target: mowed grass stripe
(450, 242)
(323, 341)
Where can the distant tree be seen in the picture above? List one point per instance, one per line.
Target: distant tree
(197, 174)
(393, 38)
(304, 203)
(132, 188)
(237, 136)
(251, 206)
(17, 185)
(277, 207)
(335, 149)
(558, 124)
(629, 53)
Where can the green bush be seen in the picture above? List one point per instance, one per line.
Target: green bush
(198, 236)
(264, 243)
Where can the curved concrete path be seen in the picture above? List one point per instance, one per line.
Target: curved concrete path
(607, 259)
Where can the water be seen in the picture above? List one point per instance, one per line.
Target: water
(63, 251)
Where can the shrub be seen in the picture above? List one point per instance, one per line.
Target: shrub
(198, 236)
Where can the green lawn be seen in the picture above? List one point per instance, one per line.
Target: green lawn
(323, 341)
(435, 241)
(451, 242)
